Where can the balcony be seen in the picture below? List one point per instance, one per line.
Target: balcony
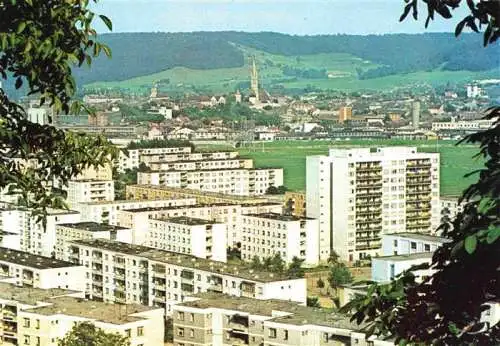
(187, 288)
(187, 275)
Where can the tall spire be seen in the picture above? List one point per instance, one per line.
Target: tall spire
(254, 79)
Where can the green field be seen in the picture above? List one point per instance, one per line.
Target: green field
(456, 161)
(340, 67)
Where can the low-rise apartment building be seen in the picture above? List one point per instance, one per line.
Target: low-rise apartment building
(29, 270)
(89, 230)
(229, 214)
(266, 234)
(131, 158)
(200, 165)
(82, 191)
(407, 243)
(236, 181)
(124, 273)
(200, 156)
(148, 192)
(386, 268)
(43, 317)
(190, 236)
(107, 211)
(216, 319)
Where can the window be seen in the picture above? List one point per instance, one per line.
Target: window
(413, 245)
(427, 247)
(128, 332)
(37, 324)
(180, 315)
(272, 333)
(27, 340)
(26, 323)
(285, 336)
(140, 331)
(191, 317)
(180, 331)
(191, 333)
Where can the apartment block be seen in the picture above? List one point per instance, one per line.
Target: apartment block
(104, 172)
(41, 240)
(29, 270)
(450, 207)
(295, 203)
(148, 192)
(130, 158)
(360, 194)
(200, 156)
(107, 211)
(190, 236)
(89, 230)
(386, 268)
(217, 319)
(409, 243)
(124, 273)
(228, 214)
(200, 165)
(43, 317)
(236, 181)
(267, 234)
(82, 191)
(13, 223)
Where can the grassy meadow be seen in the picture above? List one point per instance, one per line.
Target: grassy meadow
(456, 161)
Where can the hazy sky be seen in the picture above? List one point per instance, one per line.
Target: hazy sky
(301, 17)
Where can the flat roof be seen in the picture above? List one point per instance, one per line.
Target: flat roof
(131, 201)
(30, 260)
(203, 160)
(297, 314)
(90, 181)
(30, 295)
(400, 258)
(92, 226)
(279, 217)
(202, 205)
(51, 211)
(208, 169)
(182, 260)
(420, 236)
(94, 310)
(184, 220)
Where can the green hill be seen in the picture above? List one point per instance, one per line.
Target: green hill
(218, 60)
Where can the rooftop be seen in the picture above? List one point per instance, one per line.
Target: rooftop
(92, 226)
(173, 258)
(200, 205)
(30, 260)
(279, 217)
(208, 169)
(409, 257)
(29, 295)
(420, 236)
(90, 181)
(131, 201)
(100, 311)
(297, 314)
(191, 221)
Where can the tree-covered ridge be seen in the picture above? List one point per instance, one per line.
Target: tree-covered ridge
(138, 54)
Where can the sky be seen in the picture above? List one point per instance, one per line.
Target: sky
(300, 17)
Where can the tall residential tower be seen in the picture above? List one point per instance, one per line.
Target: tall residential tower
(360, 194)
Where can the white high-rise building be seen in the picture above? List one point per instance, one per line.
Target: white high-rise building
(361, 193)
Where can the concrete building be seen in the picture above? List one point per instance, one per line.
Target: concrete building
(148, 158)
(124, 273)
(130, 158)
(107, 211)
(43, 317)
(89, 230)
(386, 268)
(41, 240)
(154, 192)
(13, 223)
(236, 181)
(450, 207)
(190, 236)
(345, 113)
(472, 125)
(29, 270)
(227, 213)
(104, 172)
(360, 194)
(82, 191)
(216, 319)
(264, 235)
(38, 116)
(409, 243)
(200, 165)
(295, 203)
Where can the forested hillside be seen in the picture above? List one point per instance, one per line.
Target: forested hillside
(138, 54)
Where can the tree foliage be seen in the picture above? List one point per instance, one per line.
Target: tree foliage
(276, 264)
(88, 334)
(161, 143)
(339, 275)
(448, 305)
(40, 43)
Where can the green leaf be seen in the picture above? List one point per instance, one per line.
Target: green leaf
(470, 244)
(20, 27)
(106, 21)
(493, 234)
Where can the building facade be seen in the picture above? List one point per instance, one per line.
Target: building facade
(130, 158)
(267, 234)
(360, 194)
(124, 273)
(84, 191)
